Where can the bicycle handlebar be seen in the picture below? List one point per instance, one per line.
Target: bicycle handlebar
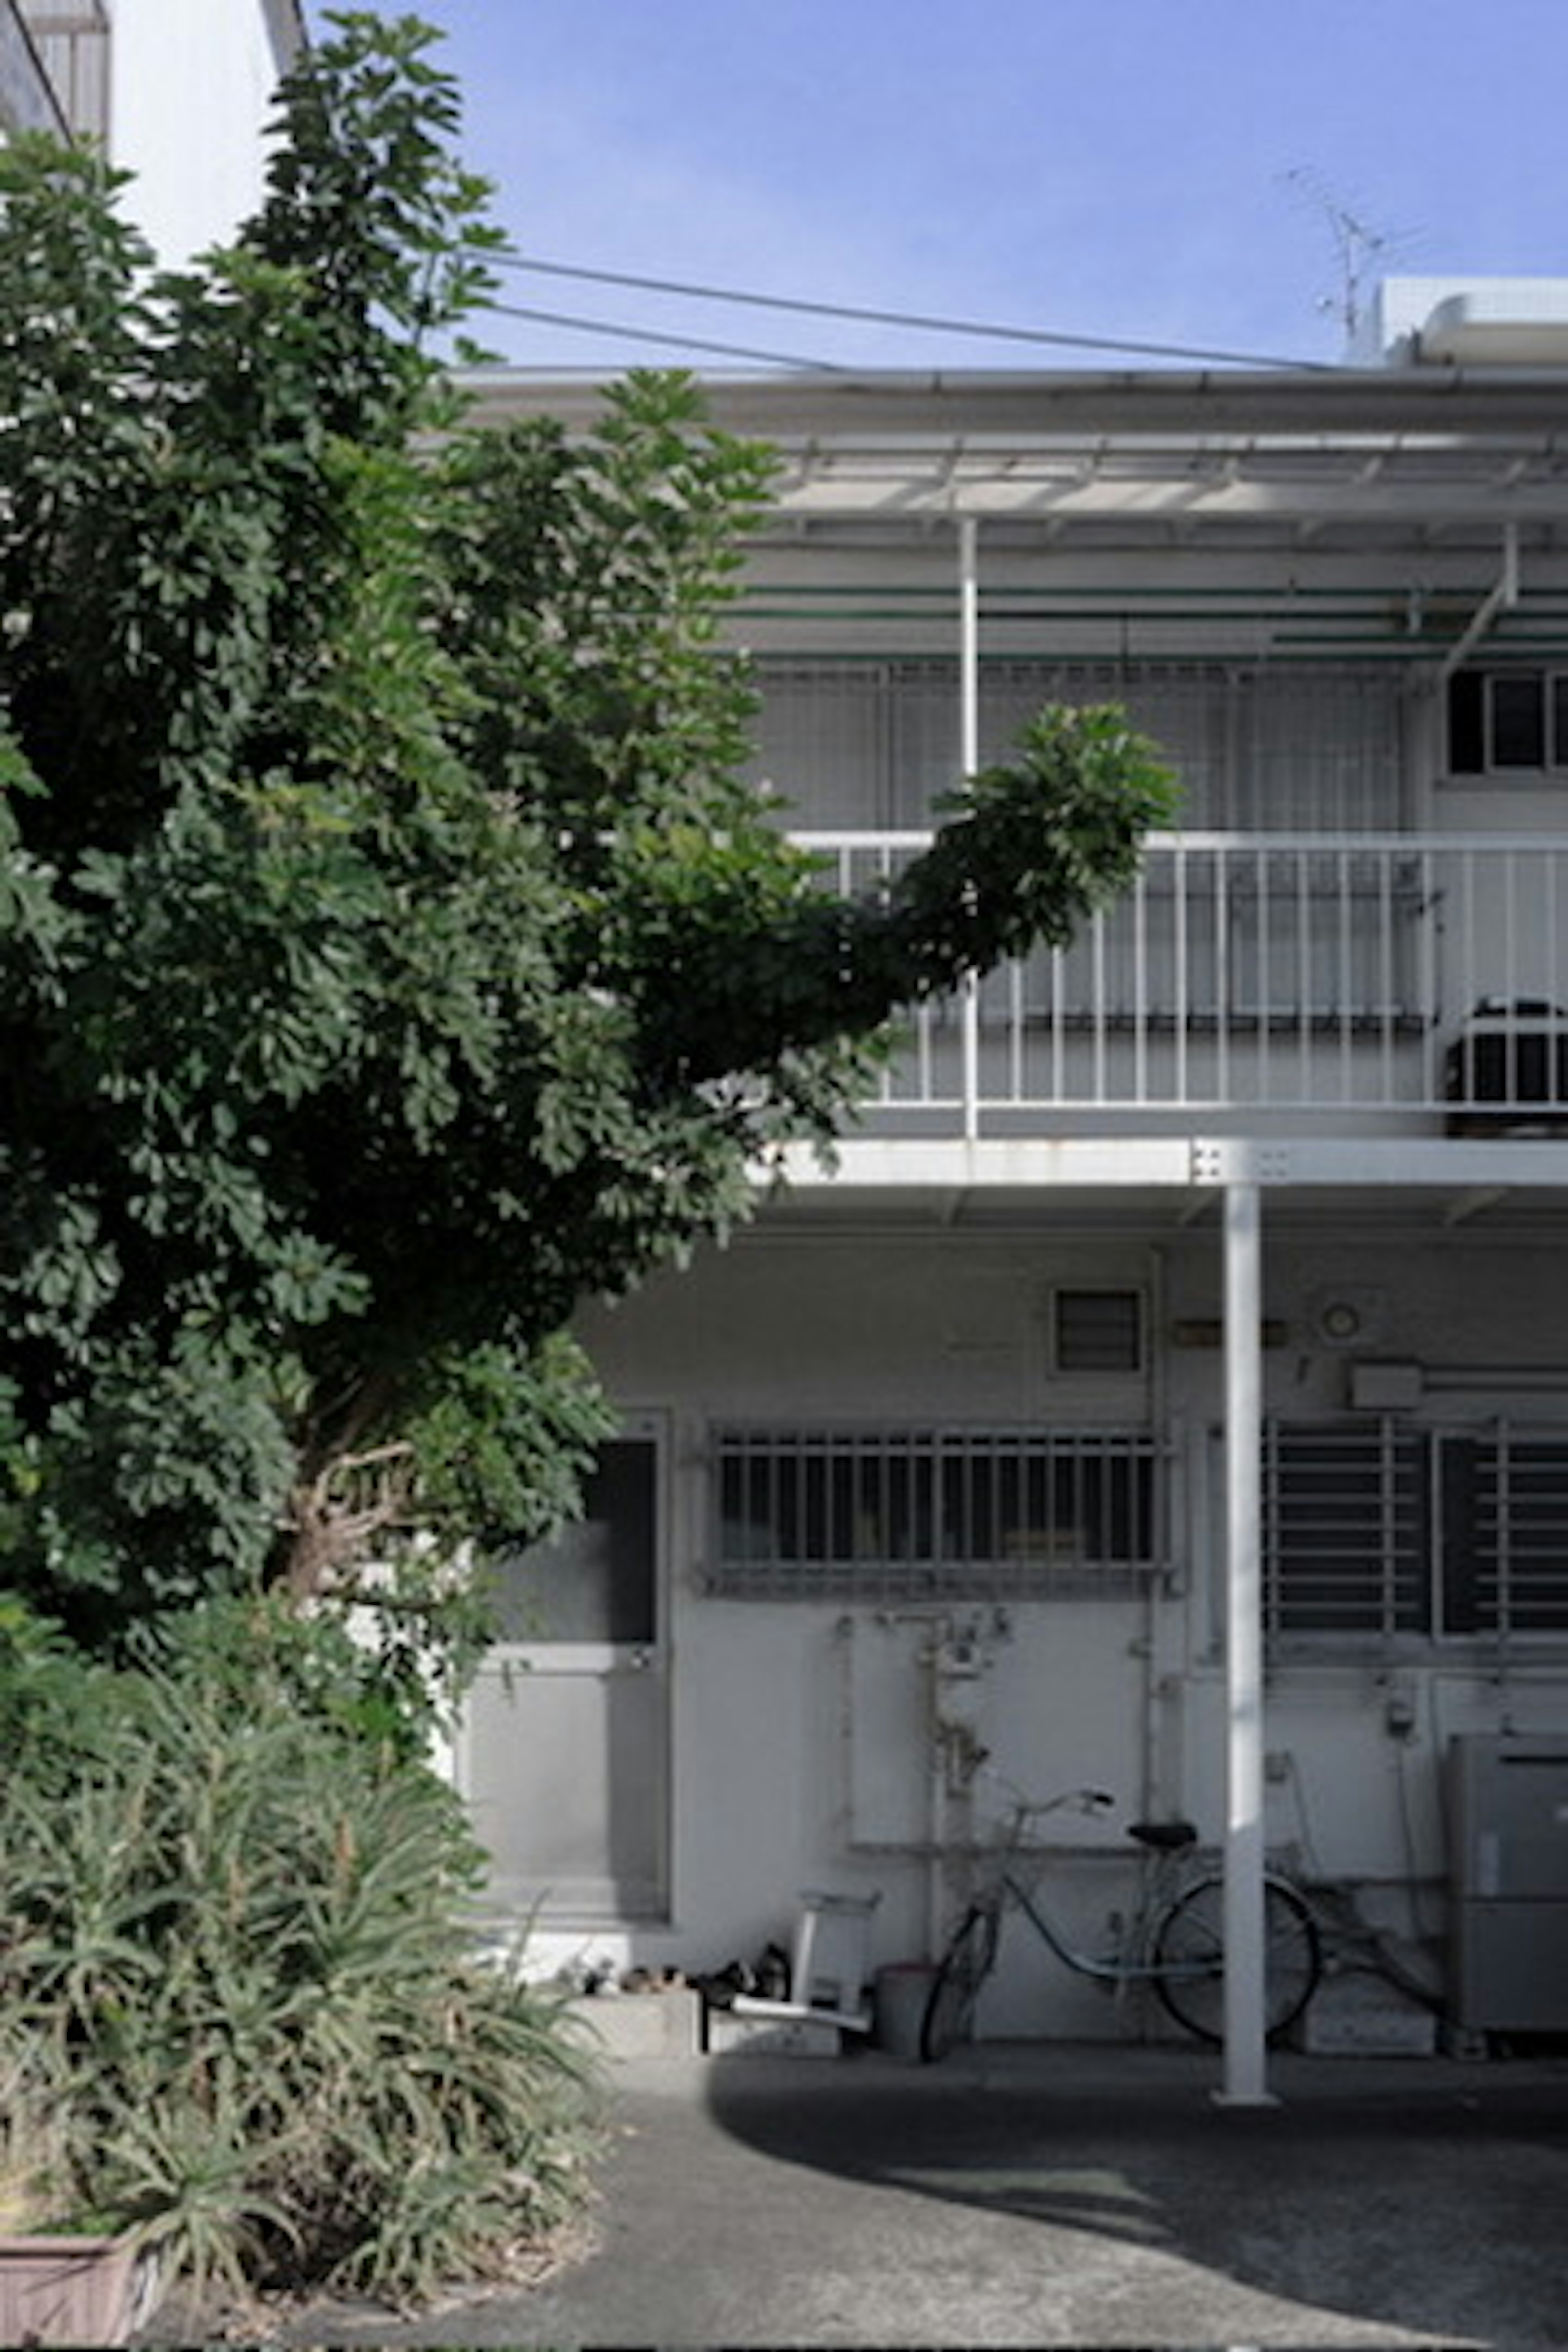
(1088, 1800)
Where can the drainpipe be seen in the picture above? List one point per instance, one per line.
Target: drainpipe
(1503, 599)
(969, 762)
(1244, 2084)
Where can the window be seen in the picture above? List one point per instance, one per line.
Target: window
(597, 1579)
(872, 743)
(1098, 1332)
(1380, 1529)
(882, 1514)
(1507, 721)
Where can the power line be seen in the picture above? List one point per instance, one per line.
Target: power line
(921, 322)
(649, 335)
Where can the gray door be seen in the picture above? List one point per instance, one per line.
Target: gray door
(564, 1752)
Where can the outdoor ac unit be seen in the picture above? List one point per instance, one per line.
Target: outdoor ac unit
(1507, 1071)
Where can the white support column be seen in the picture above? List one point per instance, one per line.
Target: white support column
(1245, 2038)
(969, 761)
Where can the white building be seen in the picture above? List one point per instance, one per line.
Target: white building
(180, 90)
(932, 1461)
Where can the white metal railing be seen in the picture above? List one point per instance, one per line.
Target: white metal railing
(1320, 975)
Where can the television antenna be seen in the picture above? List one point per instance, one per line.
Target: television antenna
(1360, 249)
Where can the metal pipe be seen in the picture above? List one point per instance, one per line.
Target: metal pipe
(1501, 599)
(1245, 2077)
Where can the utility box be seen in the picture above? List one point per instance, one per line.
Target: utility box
(1508, 1944)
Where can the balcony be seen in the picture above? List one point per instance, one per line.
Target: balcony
(66, 44)
(1309, 983)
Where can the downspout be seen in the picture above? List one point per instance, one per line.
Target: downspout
(1501, 599)
(1244, 2084)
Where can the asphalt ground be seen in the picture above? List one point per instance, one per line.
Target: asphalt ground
(1051, 2195)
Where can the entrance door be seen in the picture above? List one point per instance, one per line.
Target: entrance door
(564, 1752)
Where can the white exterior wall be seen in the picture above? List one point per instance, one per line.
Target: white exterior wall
(192, 89)
(802, 1736)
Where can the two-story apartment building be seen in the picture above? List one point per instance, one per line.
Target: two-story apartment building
(179, 92)
(1168, 1388)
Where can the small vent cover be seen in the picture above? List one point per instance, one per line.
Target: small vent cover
(1098, 1332)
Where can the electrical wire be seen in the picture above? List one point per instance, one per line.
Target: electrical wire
(920, 321)
(649, 335)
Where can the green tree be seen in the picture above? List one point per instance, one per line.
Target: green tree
(390, 954)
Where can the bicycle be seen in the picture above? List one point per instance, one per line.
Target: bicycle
(1174, 1942)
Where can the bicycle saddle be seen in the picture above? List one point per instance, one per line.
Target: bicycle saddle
(1165, 1837)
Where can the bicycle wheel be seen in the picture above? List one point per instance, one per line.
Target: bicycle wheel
(966, 1964)
(1189, 1958)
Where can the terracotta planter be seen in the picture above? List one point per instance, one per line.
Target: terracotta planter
(64, 2290)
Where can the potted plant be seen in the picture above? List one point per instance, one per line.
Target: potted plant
(64, 2279)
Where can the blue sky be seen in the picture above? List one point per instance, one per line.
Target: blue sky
(1174, 173)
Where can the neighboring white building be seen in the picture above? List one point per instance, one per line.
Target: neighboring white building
(181, 90)
(931, 1461)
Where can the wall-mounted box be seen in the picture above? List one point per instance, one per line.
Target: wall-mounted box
(1508, 1866)
(1386, 1387)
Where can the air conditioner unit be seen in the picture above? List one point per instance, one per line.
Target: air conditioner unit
(1507, 1071)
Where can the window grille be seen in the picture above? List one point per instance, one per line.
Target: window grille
(1381, 1529)
(1505, 1497)
(1344, 1529)
(887, 1515)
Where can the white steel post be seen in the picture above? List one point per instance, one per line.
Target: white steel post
(1244, 2084)
(969, 761)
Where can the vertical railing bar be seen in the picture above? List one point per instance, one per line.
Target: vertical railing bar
(1141, 987)
(1468, 998)
(1554, 1032)
(1058, 1054)
(1383, 869)
(1510, 990)
(1264, 990)
(1097, 966)
(1346, 976)
(1306, 953)
(1429, 1004)
(1222, 972)
(1179, 929)
(922, 1040)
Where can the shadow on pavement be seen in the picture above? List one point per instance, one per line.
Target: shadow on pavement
(1412, 2194)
